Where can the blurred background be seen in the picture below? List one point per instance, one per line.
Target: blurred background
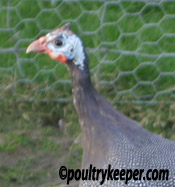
(131, 47)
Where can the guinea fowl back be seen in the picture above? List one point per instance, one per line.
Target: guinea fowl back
(112, 138)
(109, 137)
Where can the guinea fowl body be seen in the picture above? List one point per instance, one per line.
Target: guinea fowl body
(109, 137)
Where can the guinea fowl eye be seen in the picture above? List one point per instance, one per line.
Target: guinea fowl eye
(58, 43)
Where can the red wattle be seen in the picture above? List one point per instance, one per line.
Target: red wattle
(61, 58)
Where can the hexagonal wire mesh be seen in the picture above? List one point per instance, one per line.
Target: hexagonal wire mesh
(130, 44)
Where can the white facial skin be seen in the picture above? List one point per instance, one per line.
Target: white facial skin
(71, 47)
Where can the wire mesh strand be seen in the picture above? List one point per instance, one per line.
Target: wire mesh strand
(130, 45)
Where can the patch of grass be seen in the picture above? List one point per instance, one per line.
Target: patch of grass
(91, 6)
(49, 145)
(152, 14)
(39, 146)
(166, 44)
(127, 62)
(144, 91)
(14, 18)
(126, 27)
(108, 90)
(111, 56)
(8, 60)
(93, 58)
(12, 141)
(169, 7)
(29, 69)
(48, 4)
(46, 78)
(166, 97)
(6, 78)
(66, 6)
(13, 3)
(133, 6)
(66, 90)
(146, 58)
(150, 49)
(108, 72)
(89, 18)
(169, 66)
(27, 29)
(167, 25)
(165, 81)
(129, 43)
(31, 5)
(46, 20)
(150, 34)
(61, 72)
(33, 142)
(112, 13)
(74, 157)
(147, 72)
(7, 40)
(45, 63)
(3, 18)
(125, 82)
(105, 33)
(91, 40)
(18, 176)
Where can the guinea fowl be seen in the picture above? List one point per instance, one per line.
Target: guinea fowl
(109, 137)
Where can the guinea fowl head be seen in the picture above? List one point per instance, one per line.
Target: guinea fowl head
(61, 45)
(65, 46)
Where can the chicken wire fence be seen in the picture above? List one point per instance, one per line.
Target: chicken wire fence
(131, 47)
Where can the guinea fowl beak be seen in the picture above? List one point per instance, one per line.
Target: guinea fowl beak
(38, 46)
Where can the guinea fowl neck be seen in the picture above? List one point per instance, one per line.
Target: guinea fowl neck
(83, 90)
(80, 77)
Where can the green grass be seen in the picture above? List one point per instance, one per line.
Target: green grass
(147, 72)
(152, 14)
(169, 66)
(36, 138)
(32, 5)
(33, 146)
(144, 92)
(45, 20)
(125, 82)
(105, 33)
(106, 71)
(133, 6)
(150, 34)
(166, 25)
(73, 6)
(169, 7)
(151, 49)
(134, 27)
(127, 63)
(112, 13)
(166, 44)
(84, 19)
(129, 43)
